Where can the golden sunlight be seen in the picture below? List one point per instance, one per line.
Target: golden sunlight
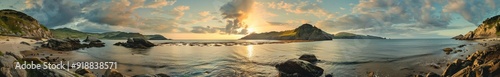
(249, 51)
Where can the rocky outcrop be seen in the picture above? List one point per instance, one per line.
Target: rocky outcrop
(16, 23)
(156, 37)
(69, 44)
(136, 43)
(309, 57)
(302, 67)
(488, 29)
(304, 32)
(63, 45)
(479, 64)
(298, 68)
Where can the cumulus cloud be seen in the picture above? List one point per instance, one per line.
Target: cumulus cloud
(236, 11)
(406, 17)
(116, 14)
(55, 12)
(473, 11)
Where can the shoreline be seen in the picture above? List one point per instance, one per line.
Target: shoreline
(421, 68)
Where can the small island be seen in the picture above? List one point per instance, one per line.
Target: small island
(346, 35)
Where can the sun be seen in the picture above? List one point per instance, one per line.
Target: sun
(251, 30)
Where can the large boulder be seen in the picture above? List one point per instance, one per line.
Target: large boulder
(298, 68)
(7, 68)
(113, 73)
(309, 57)
(63, 45)
(136, 43)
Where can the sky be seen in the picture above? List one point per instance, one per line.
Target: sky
(232, 19)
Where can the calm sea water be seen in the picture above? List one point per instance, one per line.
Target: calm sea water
(340, 57)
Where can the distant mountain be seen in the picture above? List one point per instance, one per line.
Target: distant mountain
(488, 29)
(346, 35)
(16, 23)
(67, 32)
(304, 32)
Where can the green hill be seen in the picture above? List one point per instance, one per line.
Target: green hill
(346, 35)
(16, 23)
(304, 32)
(67, 32)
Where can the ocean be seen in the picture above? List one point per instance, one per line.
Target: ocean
(339, 57)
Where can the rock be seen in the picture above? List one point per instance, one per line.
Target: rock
(83, 71)
(113, 73)
(432, 74)
(89, 75)
(298, 68)
(458, 37)
(25, 43)
(63, 45)
(460, 46)
(453, 68)
(32, 59)
(447, 50)
(162, 75)
(136, 43)
(371, 74)
(328, 75)
(96, 44)
(143, 75)
(308, 57)
(91, 39)
(7, 67)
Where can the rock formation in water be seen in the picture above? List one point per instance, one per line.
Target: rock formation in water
(488, 29)
(69, 44)
(304, 32)
(136, 43)
(346, 35)
(301, 67)
(15, 23)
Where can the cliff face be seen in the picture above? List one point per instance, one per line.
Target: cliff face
(304, 32)
(16, 23)
(488, 29)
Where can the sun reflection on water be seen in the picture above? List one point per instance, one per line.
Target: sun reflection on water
(249, 51)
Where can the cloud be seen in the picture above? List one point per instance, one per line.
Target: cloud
(208, 29)
(302, 7)
(110, 15)
(473, 11)
(55, 12)
(395, 17)
(160, 3)
(236, 11)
